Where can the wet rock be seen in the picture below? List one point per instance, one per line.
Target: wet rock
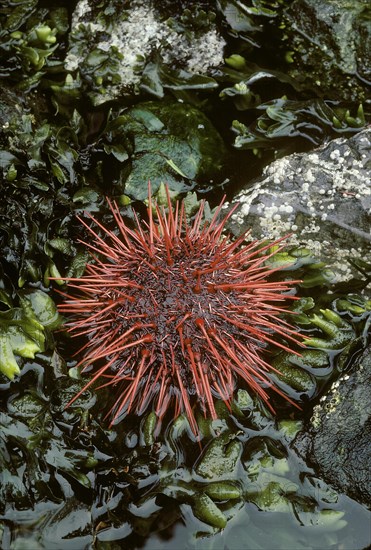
(322, 197)
(15, 104)
(337, 442)
(9, 106)
(331, 40)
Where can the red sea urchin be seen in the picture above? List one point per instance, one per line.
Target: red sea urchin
(174, 312)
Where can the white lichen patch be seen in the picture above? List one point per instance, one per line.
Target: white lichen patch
(81, 10)
(302, 192)
(329, 403)
(138, 32)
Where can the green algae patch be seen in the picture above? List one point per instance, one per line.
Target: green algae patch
(19, 335)
(205, 509)
(171, 141)
(220, 458)
(23, 330)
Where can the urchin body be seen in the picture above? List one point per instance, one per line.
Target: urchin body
(175, 313)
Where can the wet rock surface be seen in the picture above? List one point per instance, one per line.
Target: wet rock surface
(323, 197)
(337, 32)
(337, 442)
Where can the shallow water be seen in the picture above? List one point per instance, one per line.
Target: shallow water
(252, 529)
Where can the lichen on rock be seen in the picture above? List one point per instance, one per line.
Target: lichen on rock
(132, 40)
(323, 197)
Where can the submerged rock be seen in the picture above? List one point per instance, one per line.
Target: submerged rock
(331, 41)
(322, 197)
(338, 441)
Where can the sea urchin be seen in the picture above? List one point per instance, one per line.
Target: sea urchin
(174, 313)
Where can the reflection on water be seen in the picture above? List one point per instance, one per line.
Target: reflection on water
(252, 529)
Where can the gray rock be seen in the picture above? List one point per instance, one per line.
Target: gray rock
(338, 441)
(322, 197)
(331, 40)
(131, 37)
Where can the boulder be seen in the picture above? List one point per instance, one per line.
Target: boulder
(322, 197)
(330, 41)
(338, 440)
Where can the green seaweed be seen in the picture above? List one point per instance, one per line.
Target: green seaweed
(284, 119)
(23, 330)
(31, 40)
